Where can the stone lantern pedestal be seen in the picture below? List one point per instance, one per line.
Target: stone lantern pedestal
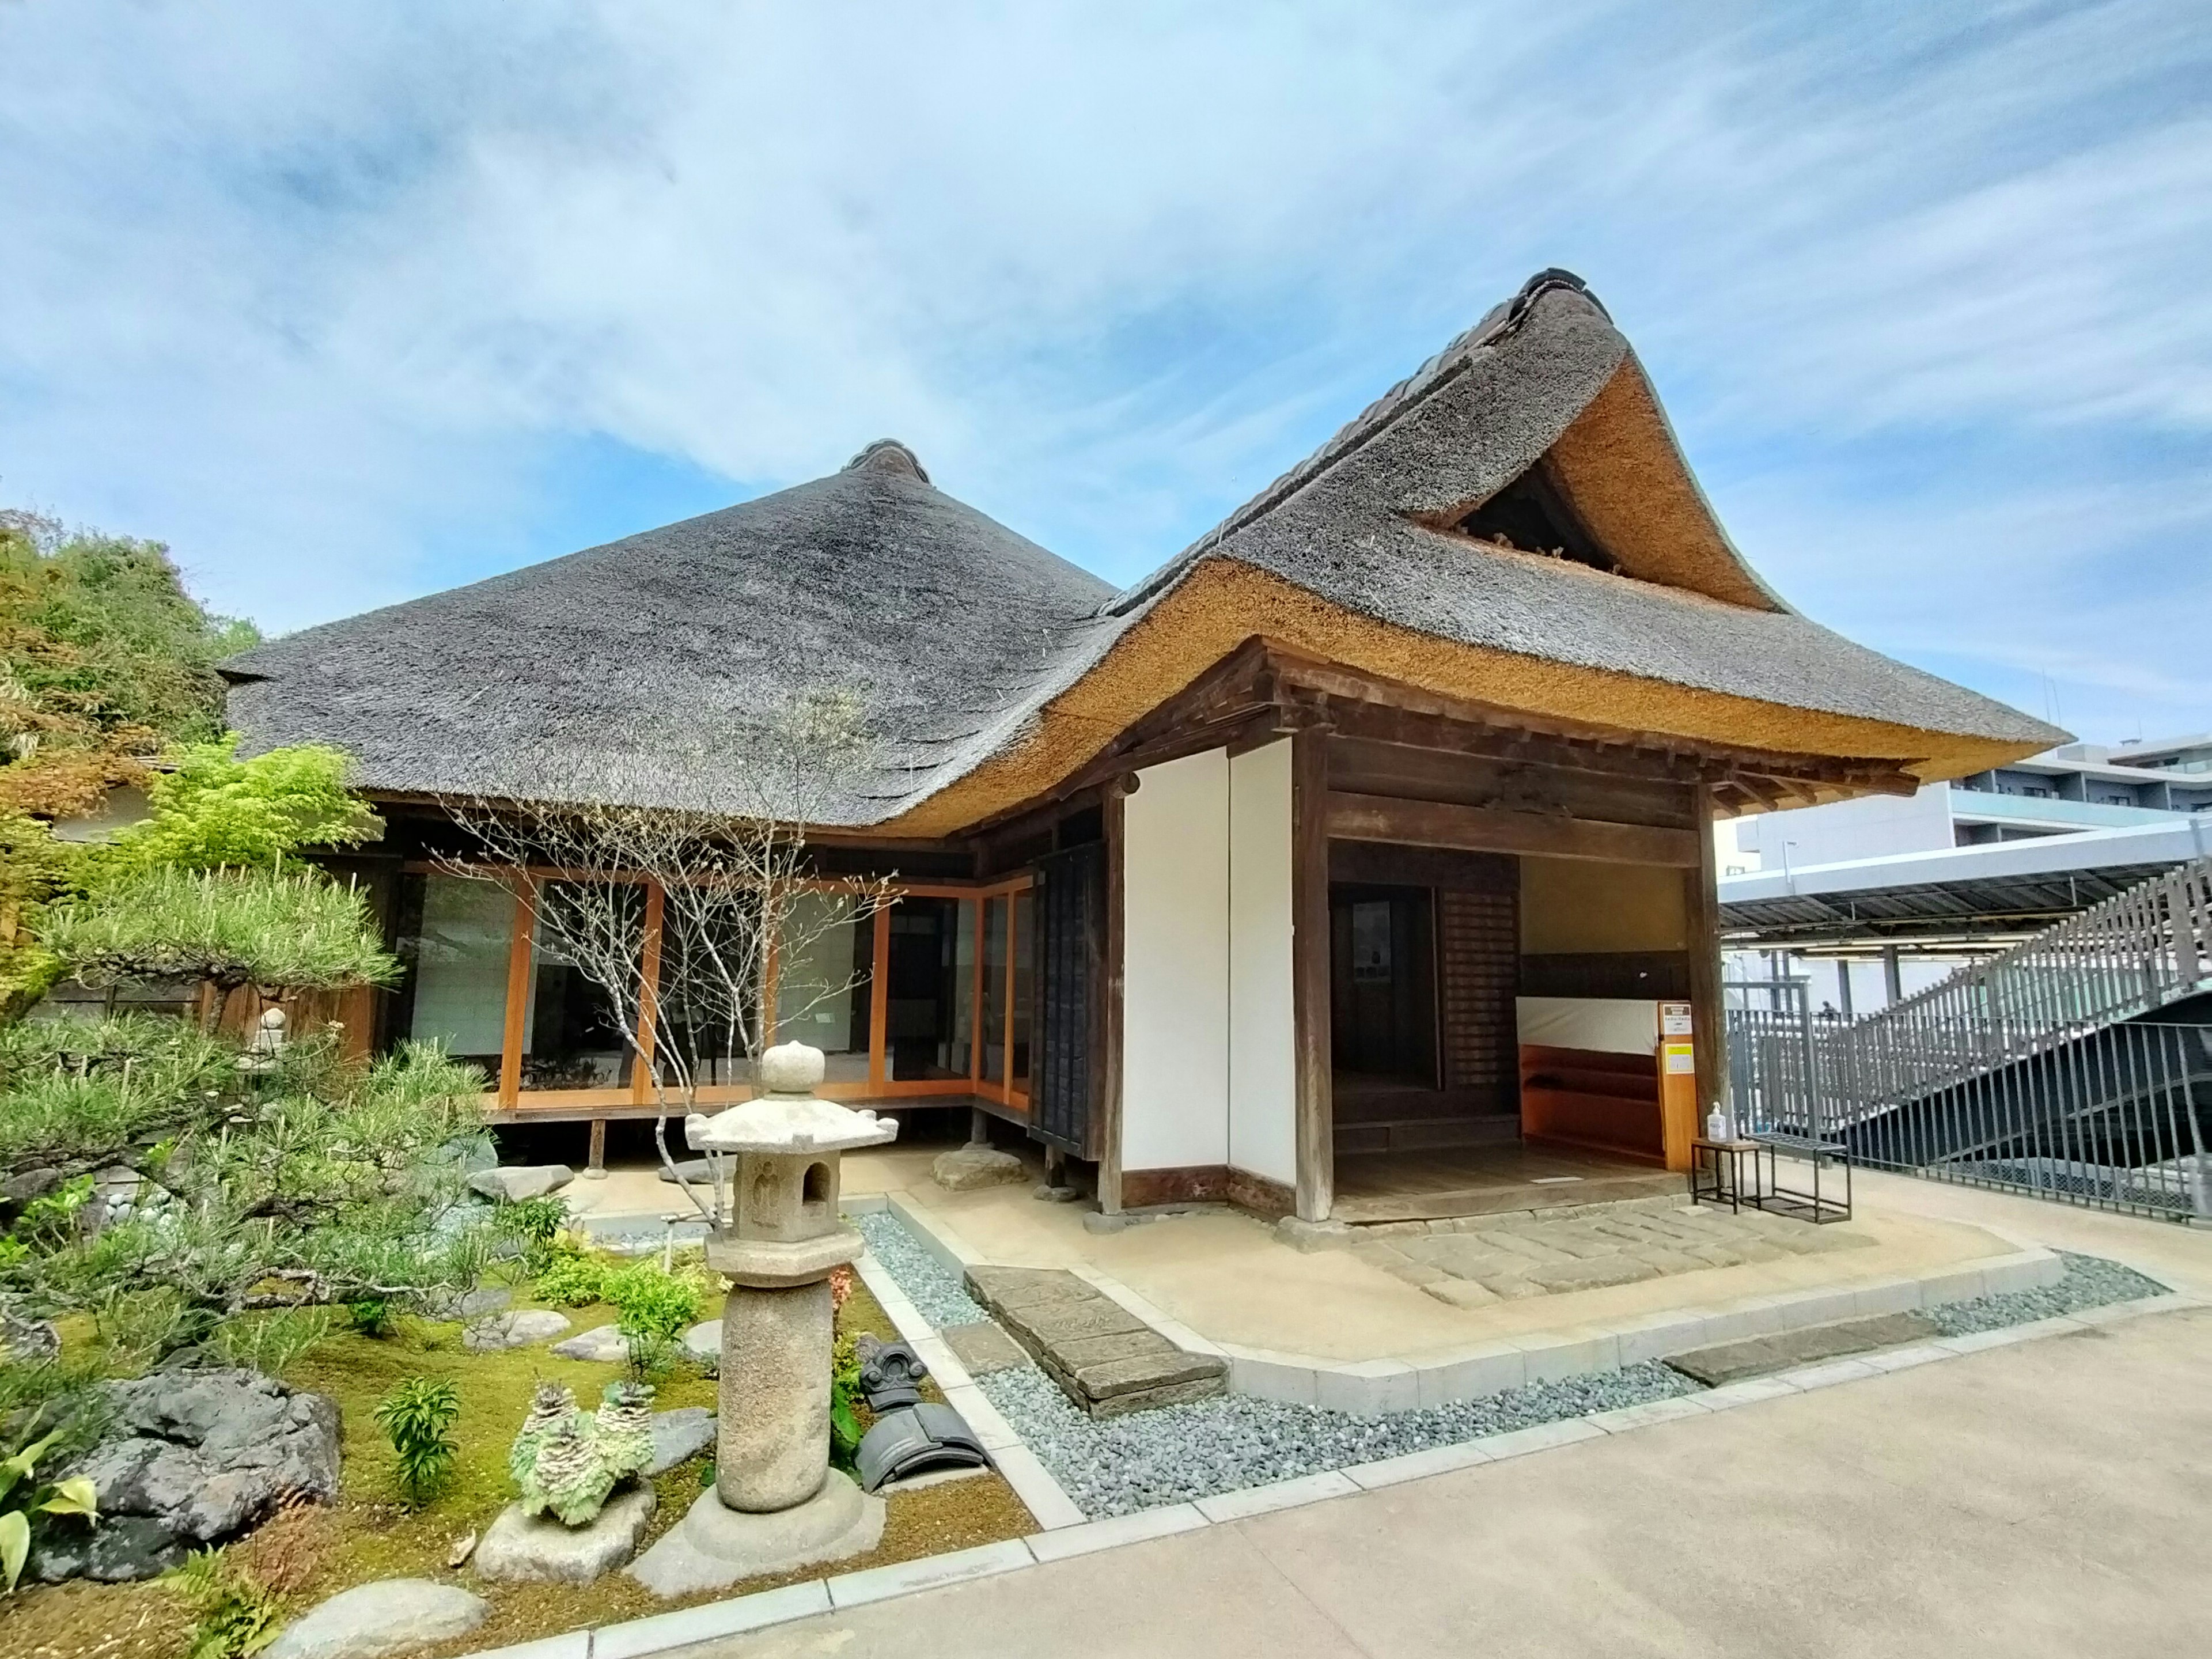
(776, 1504)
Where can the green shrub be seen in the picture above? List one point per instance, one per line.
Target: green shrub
(650, 1302)
(844, 1397)
(533, 1223)
(270, 1343)
(233, 1615)
(23, 1496)
(571, 1279)
(417, 1418)
(372, 1316)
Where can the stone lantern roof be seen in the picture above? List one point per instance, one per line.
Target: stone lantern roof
(787, 1118)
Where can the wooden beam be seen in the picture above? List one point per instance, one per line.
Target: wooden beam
(1485, 829)
(1109, 1088)
(648, 1003)
(1707, 1020)
(518, 999)
(1314, 1102)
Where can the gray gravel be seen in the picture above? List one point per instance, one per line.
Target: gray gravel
(935, 1292)
(2090, 1282)
(1178, 1453)
(1181, 1452)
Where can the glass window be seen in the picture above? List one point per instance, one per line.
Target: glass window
(572, 1033)
(825, 973)
(708, 978)
(931, 990)
(1025, 955)
(994, 989)
(455, 933)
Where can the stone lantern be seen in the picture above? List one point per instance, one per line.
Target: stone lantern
(776, 1504)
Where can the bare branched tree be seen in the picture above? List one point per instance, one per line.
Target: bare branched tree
(688, 922)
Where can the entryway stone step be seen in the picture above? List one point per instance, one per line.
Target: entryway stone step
(1732, 1362)
(1104, 1358)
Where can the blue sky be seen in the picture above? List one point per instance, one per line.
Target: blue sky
(351, 303)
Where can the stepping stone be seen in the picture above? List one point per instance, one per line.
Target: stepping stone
(495, 1332)
(521, 1548)
(602, 1344)
(982, 1348)
(1103, 1357)
(515, 1183)
(703, 1342)
(967, 1169)
(1731, 1362)
(679, 1436)
(392, 1615)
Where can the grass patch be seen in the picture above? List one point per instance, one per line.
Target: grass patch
(312, 1551)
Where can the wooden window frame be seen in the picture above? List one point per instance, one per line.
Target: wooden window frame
(511, 1099)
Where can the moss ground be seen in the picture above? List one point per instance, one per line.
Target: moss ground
(315, 1551)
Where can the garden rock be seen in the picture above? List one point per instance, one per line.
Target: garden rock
(521, 1547)
(602, 1344)
(680, 1435)
(26, 1341)
(196, 1458)
(475, 1304)
(703, 1343)
(966, 1169)
(515, 1183)
(388, 1617)
(514, 1330)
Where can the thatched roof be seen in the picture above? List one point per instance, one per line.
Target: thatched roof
(1405, 545)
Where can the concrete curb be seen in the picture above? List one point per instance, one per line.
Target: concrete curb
(1375, 1388)
(668, 1632)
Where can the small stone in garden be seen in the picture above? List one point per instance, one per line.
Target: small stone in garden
(390, 1616)
(965, 1169)
(679, 1436)
(515, 1183)
(26, 1341)
(475, 1304)
(602, 1344)
(703, 1342)
(462, 1549)
(521, 1547)
(513, 1330)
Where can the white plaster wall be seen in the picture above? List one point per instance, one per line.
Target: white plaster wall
(1262, 1055)
(1175, 965)
(1607, 1024)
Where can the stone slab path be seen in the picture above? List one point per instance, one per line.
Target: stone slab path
(1474, 1261)
(1732, 1362)
(1104, 1358)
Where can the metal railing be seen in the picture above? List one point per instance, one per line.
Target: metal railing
(2129, 956)
(2117, 1119)
(1777, 1080)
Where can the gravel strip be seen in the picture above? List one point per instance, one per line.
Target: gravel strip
(2090, 1282)
(1181, 1452)
(936, 1294)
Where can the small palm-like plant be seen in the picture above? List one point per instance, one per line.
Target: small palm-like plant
(417, 1418)
(23, 1497)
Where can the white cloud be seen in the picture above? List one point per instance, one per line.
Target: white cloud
(321, 294)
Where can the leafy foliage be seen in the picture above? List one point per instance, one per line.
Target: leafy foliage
(573, 1277)
(417, 1418)
(213, 810)
(565, 1464)
(35, 869)
(233, 1615)
(845, 1399)
(286, 930)
(273, 1342)
(104, 658)
(317, 1182)
(533, 1223)
(22, 1496)
(652, 1307)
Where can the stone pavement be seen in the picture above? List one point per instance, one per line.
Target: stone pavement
(2041, 1501)
(1474, 1261)
(1103, 1357)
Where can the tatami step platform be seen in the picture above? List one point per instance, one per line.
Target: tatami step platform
(1104, 1358)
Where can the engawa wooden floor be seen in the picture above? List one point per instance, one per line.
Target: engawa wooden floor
(1427, 1186)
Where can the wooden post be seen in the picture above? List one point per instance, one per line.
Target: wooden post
(1708, 1021)
(517, 997)
(596, 1168)
(1113, 811)
(879, 999)
(648, 1012)
(1309, 945)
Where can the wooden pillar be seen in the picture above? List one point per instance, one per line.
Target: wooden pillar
(1109, 1087)
(1315, 1113)
(1708, 1028)
(648, 1011)
(518, 996)
(595, 1167)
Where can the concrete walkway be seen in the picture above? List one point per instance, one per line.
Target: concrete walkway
(2051, 1498)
